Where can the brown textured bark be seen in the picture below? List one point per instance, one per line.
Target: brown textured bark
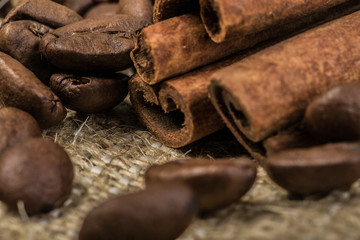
(271, 89)
(226, 19)
(164, 9)
(178, 111)
(176, 46)
(139, 8)
(180, 44)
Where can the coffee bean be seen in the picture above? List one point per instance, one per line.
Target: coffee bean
(102, 9)
(20, 88)
(335, 115)
(215, 183)
(15, 126)
(161, 212)
(36, 171)
(139, 8)
(315, 170)
(290, 138)
(45, 12)
(79, 6)
(88, 93)
(21, 40)
(102, 44)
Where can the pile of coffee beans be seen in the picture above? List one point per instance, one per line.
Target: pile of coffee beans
(325, 154)
(33, 170)
(51, 57)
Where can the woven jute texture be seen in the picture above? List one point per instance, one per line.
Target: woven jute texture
(111, 151)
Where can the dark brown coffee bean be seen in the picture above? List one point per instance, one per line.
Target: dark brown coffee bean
(15, 126)
(21, 40)
(293, 137)
(82, 6)
(37, 172)
(46, 12)
(79, 6)
(102, 9)
(89, 94)
(20, 88)
(335, 115)
(215, 183)
(161, 212)
(93, 44)
(139, 8)
(315, 170)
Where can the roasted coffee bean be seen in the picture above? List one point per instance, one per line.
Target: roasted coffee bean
(161, 212)
(21, 40)
(36, 171)
(93, 44)
(316, 170)
(215, 183)
(290, 138)
(82, 6)
(46, 12)
(79, 6)
(139, 8)
(89, 94)
(102, 9)
(15, 126)
(335, 115)
(20, 88)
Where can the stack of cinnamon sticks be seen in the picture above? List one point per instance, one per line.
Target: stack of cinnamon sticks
(253, 65)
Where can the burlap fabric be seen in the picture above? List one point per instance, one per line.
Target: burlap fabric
(111, 151)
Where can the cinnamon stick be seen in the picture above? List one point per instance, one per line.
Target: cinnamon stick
(180, 44)
(226, 19)
(270, 90)
(178, 111)
(165, 9)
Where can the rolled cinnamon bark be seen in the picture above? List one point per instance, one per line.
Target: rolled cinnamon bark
(178, 111)
(226, 19)
(139, 8)
(180, 44)
(271, 89)
(164, 9)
